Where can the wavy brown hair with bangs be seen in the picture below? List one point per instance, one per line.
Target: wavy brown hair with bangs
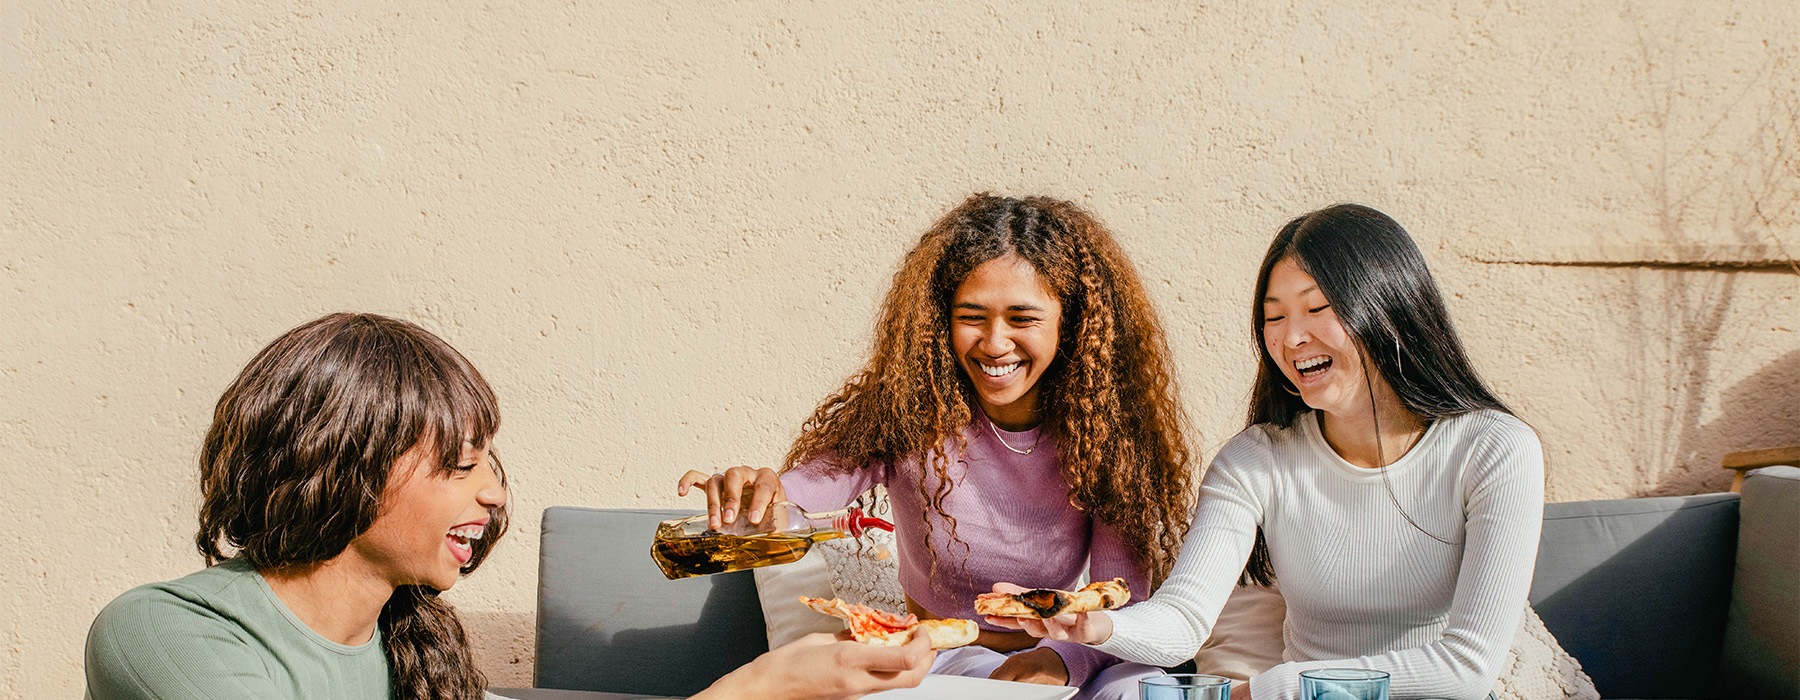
(302, 446)
(1109, 398)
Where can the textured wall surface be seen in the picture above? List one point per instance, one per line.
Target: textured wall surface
(661, 231)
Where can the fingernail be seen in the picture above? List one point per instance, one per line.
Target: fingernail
(728, 515)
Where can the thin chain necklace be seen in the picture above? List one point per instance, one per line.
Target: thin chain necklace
(1003, 443)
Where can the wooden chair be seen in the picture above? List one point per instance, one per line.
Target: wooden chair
(1744, 461)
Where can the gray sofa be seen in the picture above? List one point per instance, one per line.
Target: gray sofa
(1688, 597)
(1685, 597)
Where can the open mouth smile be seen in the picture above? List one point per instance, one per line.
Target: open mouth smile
(1312, 366)
(461, 540)
(998, 371)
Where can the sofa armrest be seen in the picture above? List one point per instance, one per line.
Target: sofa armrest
(1740, 463)
(1761, 653)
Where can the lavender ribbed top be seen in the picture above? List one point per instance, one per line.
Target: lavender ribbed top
(1013, 523)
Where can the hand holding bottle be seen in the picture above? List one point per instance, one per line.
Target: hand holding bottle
(752, 488)
(691, 547)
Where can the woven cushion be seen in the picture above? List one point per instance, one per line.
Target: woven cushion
(1537, 668)
(865, 571)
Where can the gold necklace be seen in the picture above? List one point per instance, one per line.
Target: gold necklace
(1003, 443)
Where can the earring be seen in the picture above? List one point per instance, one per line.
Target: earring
(1284, 387)
(1399, 359)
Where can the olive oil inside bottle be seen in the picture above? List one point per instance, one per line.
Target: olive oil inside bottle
(712, 552)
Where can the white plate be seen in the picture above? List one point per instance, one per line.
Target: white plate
(966, 688)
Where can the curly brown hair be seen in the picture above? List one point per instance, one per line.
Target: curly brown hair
(1109, 399)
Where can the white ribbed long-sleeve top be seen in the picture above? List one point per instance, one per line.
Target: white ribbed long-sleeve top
(1364, 588)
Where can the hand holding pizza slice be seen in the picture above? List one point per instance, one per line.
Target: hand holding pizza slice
(1049, 602)
(1047, 613)
(882, 628)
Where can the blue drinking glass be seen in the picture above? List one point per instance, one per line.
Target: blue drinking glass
(1343, 684)
(1184, 686)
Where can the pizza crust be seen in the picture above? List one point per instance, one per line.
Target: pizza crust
(885, 629)
(1050, 602)
(950, 633)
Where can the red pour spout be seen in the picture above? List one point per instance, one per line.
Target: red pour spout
(856, 523)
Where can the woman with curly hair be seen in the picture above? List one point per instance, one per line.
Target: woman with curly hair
(1020, 411)
(348, 478)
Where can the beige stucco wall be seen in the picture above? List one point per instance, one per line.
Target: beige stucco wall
(661, 232)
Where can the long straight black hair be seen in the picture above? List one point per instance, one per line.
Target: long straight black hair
(1375, 278)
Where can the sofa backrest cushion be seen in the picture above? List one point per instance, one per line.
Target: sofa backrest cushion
(609, 621)
(1762, 632)
(1637, 589)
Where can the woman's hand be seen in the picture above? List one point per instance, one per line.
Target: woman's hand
(752, 487)
(826, 667)
(1081, 628)
(1041, 666)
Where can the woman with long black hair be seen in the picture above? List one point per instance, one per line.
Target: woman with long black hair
(1397, 500)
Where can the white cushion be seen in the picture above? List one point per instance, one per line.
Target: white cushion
(779, 588)
(1246, 640)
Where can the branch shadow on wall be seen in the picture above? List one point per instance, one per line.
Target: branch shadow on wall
(1718, 177)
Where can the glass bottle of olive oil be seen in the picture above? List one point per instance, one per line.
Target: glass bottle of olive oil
(689, 547)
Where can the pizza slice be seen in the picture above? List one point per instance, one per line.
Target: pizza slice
(886, 629)
(1049, 602)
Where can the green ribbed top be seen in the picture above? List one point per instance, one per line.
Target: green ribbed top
(222, 634)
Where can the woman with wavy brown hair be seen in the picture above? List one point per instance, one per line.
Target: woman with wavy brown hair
(1020, 411)
(347, 479)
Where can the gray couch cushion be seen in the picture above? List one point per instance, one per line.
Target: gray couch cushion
(1762, 632)
(1637, 589)
(608, 620)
